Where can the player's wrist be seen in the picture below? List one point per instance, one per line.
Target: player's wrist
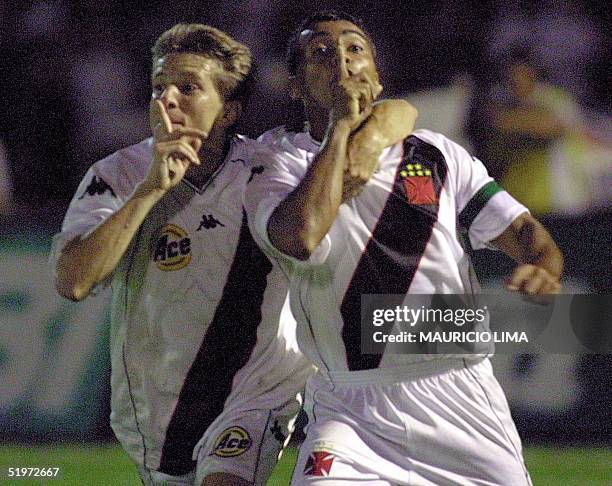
(340, 128)
(146, 190)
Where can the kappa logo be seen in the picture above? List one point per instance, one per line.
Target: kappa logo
(319, 463)
(97, 187)
(232, 442)
(277, 432)
(173, 249)
(208, 222)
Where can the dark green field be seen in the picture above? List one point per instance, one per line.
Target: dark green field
(108, 465)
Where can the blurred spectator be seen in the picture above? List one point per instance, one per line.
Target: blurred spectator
(104, 85)
(539, 140)
(563, 38)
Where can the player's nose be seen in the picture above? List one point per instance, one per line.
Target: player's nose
(169, 97)
(343, 63)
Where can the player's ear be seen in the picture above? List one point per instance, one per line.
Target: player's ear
(231, 112)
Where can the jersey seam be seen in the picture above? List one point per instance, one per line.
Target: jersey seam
(129, 384)
(261, 443)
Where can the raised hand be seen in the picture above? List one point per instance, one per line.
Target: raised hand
(352, 99)
(173, 152)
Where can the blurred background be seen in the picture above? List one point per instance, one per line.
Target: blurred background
(524, 85)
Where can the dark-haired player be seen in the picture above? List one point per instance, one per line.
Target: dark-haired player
(382, 419)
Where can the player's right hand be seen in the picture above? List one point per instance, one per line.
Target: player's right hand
(352, 100)
(173, 150)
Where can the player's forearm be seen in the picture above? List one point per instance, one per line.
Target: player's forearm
(527, 241)
(302, 220)
(539, 249)
(85, 262)
(390, 122)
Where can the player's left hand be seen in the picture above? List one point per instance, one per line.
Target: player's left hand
(534, 282)
(362, 161)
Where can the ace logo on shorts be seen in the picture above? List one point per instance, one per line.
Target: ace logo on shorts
(233, 441)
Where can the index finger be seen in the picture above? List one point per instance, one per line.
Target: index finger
(375, 87)
(190, 132)
(160, 121)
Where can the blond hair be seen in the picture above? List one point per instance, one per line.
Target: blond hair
(235, 79)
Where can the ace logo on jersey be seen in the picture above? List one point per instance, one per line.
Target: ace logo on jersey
(173, 248)
(418, 184)
(319, 463)
(232, 442)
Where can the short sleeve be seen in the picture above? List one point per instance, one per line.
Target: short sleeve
(94, 201)
(276, 173)
(485, 209)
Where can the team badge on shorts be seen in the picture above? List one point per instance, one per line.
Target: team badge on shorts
(232, 442)
(418, 184)
(319, 463)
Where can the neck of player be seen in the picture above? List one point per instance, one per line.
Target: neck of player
(318, 121)
(212, 155)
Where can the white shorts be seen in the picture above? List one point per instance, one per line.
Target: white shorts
(245, 443)
(450, 427)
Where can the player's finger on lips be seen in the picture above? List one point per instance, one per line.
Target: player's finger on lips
(161, 121)
(191, 132)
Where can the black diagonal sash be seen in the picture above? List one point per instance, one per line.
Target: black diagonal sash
(225, 349)
(391, 257)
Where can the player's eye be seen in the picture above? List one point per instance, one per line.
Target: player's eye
(356, 48)
(187, 88)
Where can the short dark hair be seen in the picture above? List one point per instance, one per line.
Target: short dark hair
(293, 56)
(234, 57)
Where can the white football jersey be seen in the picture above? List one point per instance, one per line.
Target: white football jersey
(400, 236)
(196, 313)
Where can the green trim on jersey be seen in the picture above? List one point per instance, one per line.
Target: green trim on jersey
(478, 201)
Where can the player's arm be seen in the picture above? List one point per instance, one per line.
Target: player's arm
(390, 122)
(86, 261)
(302, 219)
(540, 260)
